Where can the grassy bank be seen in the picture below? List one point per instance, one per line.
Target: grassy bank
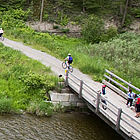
(119, 55)
(24, 83)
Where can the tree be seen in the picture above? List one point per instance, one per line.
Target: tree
(41, 11)
(92, 29)
(125, 12)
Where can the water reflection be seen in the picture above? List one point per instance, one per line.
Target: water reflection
(58, 127)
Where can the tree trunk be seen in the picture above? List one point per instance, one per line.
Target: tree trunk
(121, 10)
(130, 3)
(125, 12)
(41, 11)
(83, 5)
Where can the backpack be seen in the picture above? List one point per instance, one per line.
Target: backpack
(70, 58)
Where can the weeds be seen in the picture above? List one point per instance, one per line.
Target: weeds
(120, 54)
(23, 80)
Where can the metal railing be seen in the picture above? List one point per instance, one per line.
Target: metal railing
(117, 77)
(113, 113)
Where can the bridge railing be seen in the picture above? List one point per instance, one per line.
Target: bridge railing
(111, 80)
(113, 113)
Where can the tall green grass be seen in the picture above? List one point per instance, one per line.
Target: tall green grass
(22, 81)
(120, 54)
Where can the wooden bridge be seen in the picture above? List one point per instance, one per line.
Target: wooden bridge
(117, 115)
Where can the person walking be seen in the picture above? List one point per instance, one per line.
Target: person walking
(1, 32)
(130, 98)
(137, 107)
(103, 93)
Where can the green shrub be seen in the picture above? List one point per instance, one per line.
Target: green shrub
(110, 33)
(5, 105)
(92, 29)
(44, 108)
(136, 12)
(37, 81)
(128, 21)
(65, 30)
(55, 27)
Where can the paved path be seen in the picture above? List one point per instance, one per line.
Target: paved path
(56, 67)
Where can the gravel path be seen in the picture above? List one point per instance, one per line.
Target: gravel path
(48, 60)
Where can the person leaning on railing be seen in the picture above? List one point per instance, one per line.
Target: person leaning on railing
(137, 107)
(130, 98)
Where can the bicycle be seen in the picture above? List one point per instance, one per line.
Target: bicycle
(104, 101)
(65, 65)
(2, 38)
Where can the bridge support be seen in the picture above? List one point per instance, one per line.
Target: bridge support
(118, 119)
(66, 71)
(98, 102)
(81, 87)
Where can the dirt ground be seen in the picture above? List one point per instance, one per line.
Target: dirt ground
(74, 29)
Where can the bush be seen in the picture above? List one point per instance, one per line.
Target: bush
(55, 27)
(92, 29)
(44, 109)
(136, 12)
(5, 105)
(110, 33)
(65, 30)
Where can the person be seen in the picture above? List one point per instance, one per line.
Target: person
(137, 107)
(1, 32)
(69, 59)
(130, 98)
(103, 92)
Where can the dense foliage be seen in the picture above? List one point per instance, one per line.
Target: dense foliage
(93, 30)
(63, 11)
(72, 8)
(23, 82)
(119, 54)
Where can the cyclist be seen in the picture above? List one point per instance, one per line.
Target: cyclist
(1, 32)
(69, 59)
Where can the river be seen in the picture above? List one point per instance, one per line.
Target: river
(60, 126)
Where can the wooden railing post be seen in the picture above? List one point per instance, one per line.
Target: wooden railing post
(110, 77)
(129, 88)
(98, 102)
(118, 119)
(66, 71)
(81, 86)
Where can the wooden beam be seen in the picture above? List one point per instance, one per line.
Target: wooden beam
(121, 93)
(41, 11)
(127, 83)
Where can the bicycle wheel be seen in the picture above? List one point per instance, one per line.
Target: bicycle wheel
(64, 65)
(104, 107)
(2, 38)
(70, 68)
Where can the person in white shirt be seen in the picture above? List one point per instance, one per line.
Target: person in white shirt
(130, 98)
(1, 32)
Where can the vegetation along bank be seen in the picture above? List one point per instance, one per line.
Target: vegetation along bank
(113, 48)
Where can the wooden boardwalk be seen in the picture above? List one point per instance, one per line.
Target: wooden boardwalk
(128, 126)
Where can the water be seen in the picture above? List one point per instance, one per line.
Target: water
(67, 126)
